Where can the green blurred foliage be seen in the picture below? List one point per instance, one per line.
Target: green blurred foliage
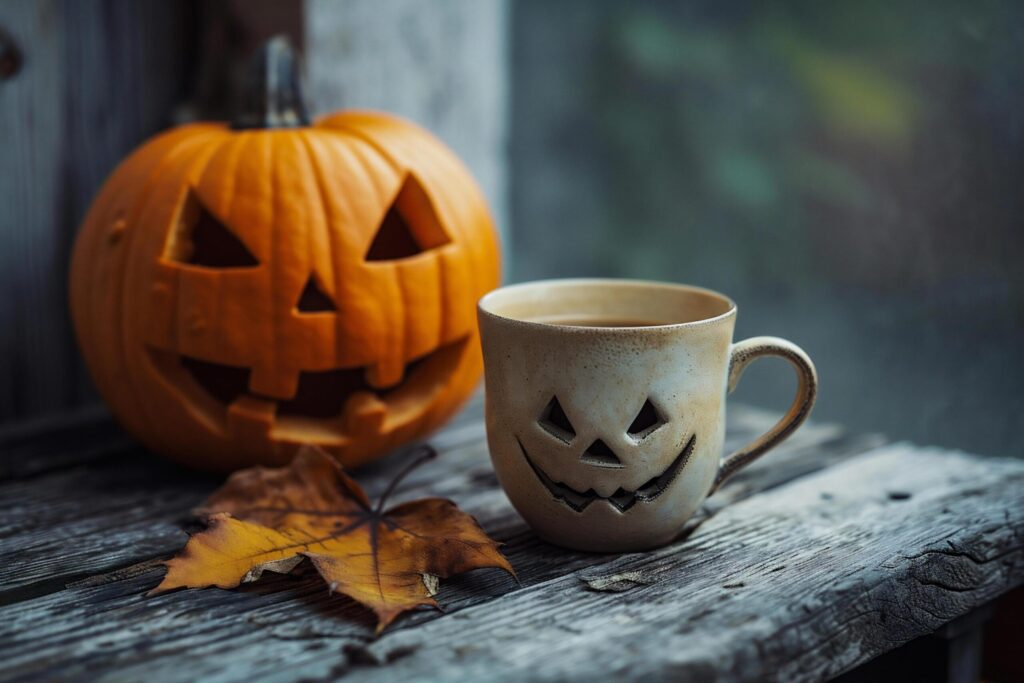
(752, 123)
(850, 172)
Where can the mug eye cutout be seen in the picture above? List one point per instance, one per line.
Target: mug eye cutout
(555, 422)
(646, 421)
(410, 225)
(201, 239)
(314, 300)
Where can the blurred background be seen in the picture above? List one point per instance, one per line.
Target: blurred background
(851, 174)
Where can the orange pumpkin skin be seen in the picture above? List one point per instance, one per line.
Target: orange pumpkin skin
(219, 366)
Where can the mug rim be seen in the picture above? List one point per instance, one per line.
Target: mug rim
(487, 299)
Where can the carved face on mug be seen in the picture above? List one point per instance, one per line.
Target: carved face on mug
(606, 405)
(596, 434)
(613, 482)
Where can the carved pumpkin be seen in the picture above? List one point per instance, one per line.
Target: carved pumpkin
(239, 290)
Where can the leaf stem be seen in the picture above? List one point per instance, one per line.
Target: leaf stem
(426, 452)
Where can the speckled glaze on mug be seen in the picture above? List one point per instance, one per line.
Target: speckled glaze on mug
(608, 438)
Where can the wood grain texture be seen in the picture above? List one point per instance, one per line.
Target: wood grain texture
(440, 64)
(823, 554)
(98, 78)
(798, 583)
(124, 505)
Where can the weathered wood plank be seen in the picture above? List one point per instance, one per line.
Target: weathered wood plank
(48, 443)
(65, 523)
(98, 77)
(803, 582)
(800, 583)
(67, 440)
(473, 488)
(118, 509)
(127, 507)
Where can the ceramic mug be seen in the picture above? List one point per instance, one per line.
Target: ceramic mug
(605, 405)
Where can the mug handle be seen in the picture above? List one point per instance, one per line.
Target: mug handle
(743, 354)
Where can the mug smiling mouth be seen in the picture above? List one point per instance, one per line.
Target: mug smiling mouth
(622, 499)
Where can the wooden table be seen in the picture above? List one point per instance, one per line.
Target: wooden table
(828, 552)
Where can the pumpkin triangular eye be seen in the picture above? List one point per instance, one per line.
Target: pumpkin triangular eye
(409, 227)
(200, 239)
(313, 299)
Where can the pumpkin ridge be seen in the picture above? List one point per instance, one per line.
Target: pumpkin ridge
(338, 122)
(316, 172)
(86, 263)
(226, 195)
(340, 157)
(291, 148)
(463, 377)
(178, 148)
(275, 215)
(229, 191)
(177, 155)
(337, 125)
(395, 321)
(196, 181)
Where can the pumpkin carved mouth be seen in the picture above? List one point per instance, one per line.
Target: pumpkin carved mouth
(622, 500)
(319, 394)
(326, 396)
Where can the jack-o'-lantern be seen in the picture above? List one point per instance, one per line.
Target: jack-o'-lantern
(240, 290)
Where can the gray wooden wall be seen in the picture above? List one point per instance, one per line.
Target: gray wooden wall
(100, 76)
(440, 63)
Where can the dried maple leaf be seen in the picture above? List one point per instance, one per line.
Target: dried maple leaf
(270, 519)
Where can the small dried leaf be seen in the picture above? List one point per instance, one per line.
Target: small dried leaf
(431, 583)
(269, 519)
(616, 583)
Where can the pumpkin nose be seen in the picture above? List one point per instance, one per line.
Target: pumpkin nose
(599, 455)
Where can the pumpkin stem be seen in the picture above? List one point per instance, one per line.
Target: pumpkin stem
(272, 97)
